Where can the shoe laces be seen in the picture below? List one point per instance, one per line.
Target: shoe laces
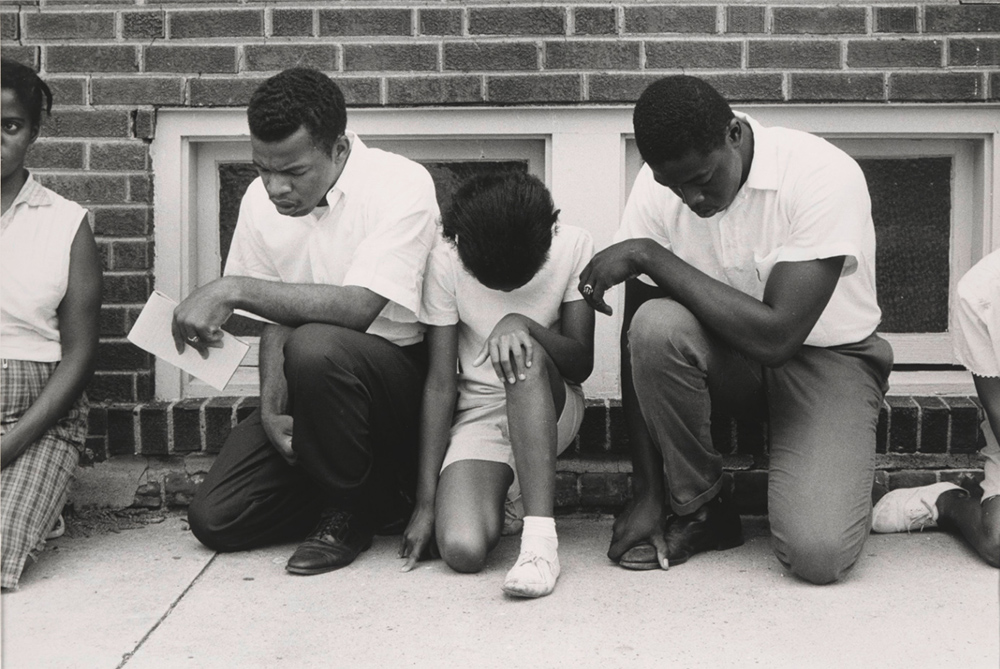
(527, 557)
(919, 516)
(532, 558)
(332, 523)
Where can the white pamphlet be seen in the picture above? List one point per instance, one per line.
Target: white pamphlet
(151, 333)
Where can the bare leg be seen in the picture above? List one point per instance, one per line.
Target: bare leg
(470, 508)
(533, 408)
(978, 522)
(643, 520)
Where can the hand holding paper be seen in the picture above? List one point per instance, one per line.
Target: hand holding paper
(198, 320)
(152, 332)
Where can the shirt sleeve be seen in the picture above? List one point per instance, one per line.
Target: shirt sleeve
(439, 304)
(583, 251)
(392, 258)
(830, 214)
(247, 254)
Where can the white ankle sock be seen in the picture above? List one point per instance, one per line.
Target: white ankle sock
(539, 536)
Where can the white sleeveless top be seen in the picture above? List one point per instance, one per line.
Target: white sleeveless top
(36, 235)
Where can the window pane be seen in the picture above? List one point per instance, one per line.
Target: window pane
(233, 181)
(448, 176)
(911, 206)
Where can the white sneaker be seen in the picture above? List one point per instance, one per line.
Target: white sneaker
(531, 576)
(907, 509)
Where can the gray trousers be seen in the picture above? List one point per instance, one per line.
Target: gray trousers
(822, 409)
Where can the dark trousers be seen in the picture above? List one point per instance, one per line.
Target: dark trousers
(355, 403)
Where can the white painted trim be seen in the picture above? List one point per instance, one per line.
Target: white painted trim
(585, 186)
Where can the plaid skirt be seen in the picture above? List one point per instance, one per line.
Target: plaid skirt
(33, 488)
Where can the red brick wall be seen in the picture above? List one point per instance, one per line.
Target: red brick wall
(112, 64)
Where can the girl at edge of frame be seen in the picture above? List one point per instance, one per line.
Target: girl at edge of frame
(50, 300)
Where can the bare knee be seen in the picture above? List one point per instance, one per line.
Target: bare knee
(534, 378)
(463, 551)
(467, 557)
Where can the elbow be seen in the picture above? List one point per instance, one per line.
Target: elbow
(778, 353)
(582, 371)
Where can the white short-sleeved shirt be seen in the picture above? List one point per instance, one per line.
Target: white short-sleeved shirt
(453, 296)
(35, 243)
(804, 199)
(376, 233)
(975, 324)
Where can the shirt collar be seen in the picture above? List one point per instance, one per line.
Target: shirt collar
(353, 172)
(32, 194)
(764, 168)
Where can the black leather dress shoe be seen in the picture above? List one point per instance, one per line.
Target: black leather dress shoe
(338, 539)
(715, 526)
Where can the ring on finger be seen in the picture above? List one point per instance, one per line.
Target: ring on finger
(588, 289)
(194, 339)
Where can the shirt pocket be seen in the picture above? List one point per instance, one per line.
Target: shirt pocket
(764, 264)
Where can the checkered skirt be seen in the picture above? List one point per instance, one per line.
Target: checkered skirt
(33, 488)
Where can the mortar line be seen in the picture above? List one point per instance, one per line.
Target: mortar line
(128, 656)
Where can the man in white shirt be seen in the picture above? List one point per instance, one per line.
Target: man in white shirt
(329, 250)
(748, 255)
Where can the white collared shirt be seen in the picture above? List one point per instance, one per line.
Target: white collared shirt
(376, 233)
(452, 295)
(804, 199)
(37, 236)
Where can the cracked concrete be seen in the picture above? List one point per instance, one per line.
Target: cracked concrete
(154, 598)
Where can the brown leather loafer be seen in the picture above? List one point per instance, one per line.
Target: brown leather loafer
(338, 539)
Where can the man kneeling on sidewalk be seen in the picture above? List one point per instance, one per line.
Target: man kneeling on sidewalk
(330, 249)
(757, 253)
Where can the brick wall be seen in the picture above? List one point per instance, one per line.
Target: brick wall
(112, 64)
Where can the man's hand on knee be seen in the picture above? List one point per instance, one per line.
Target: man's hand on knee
(278, 428)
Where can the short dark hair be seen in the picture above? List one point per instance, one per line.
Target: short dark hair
(501, 224)
(678, 114)
(28, 87)
(298, 97)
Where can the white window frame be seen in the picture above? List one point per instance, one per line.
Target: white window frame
(933, 348)
(585, 168)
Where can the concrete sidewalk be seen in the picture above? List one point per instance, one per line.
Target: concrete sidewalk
(153, 597)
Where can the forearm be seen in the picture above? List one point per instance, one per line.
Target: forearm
(574, 359)
(751, 326)
(435, 434)
(290, 304)
(271, 368)
(61, 391)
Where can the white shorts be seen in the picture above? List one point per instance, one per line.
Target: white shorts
(481, 433)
